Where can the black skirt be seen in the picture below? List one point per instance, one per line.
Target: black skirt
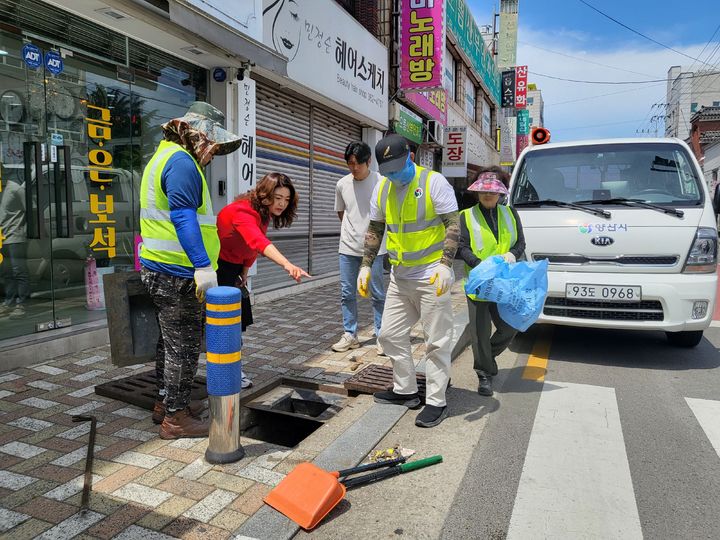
(228, 274)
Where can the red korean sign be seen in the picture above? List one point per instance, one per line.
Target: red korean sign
(422, 44)
(521, 73)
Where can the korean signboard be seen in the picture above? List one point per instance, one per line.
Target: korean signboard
(461, 23)
(454, 161)
(521, 73)
(409, 125)
(331, 53)
(507, 39)
(523, 130)
(425, 158)
(507, 140)
(243, 16)
(434, 103)
(99, 131)
(508, 88)
(422, 44)
(246, 154)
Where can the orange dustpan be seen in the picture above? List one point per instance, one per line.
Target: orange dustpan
(308, 493)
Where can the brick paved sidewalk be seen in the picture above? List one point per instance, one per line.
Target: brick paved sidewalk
(145, 487)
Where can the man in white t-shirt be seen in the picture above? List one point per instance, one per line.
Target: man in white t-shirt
(419, 209)
(352, 203)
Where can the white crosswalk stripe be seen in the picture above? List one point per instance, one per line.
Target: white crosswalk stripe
(707, 413)
(576, 479)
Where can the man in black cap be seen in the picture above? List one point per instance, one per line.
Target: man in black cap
(419, 209)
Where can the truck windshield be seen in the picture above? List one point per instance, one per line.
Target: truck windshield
(661, 174)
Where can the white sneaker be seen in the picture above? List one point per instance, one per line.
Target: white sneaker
(245, 382)
(346, 343)
(18, 312)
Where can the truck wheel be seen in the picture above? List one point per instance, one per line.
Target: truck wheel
(684, 339)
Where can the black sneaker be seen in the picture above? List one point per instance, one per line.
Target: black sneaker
(431, 416)
(485, 384)
(411, 401)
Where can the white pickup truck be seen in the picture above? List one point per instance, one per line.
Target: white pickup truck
(629, 230)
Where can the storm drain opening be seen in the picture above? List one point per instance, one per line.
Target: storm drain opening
(290, 411)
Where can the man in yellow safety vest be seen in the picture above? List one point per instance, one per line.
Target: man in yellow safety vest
(179, 256)
(419, 209)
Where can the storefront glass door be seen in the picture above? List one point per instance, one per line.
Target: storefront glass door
(73, 145)
(66, 211)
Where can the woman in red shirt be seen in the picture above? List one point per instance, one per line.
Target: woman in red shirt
(242, 228)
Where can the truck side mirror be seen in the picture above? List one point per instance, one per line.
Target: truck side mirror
(716, 200)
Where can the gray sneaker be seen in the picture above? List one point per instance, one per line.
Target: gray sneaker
(18, 312)
(346, 343)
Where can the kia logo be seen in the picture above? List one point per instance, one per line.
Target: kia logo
(602, 241)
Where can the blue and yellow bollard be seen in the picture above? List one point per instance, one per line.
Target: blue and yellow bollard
(223, 340)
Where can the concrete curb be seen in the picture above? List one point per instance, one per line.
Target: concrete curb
(347, 450)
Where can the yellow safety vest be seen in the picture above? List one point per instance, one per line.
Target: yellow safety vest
(160, 240)
(482, 241)
(415, 233)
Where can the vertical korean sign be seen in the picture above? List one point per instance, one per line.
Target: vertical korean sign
(246, 131)
(454, 161)
(508, 89)
(523, 130)
(99, 130)
(422, 44)
(521, 73)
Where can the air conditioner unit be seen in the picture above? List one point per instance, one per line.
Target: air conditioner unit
(435, 133)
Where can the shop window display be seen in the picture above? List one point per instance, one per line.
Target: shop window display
(72, 147)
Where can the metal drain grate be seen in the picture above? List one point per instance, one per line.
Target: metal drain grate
(141, 390)
(376, 378)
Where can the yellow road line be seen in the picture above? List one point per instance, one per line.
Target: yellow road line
(538, 360)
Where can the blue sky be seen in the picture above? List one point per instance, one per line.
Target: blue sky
(565, 38)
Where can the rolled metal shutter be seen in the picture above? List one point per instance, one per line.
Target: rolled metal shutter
(331, 135)
(283, 132)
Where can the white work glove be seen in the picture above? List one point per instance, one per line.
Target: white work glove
(443, 278)
(363, 282)
(205, 278)
(509, 258)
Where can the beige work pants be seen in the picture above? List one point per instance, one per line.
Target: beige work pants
(407, 302)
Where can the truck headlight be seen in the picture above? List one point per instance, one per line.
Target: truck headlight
(702, 257)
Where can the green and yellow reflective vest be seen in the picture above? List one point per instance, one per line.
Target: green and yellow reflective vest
(160, 240)
(415, 233)
(482, 240)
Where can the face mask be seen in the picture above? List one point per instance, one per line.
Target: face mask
(405, 175)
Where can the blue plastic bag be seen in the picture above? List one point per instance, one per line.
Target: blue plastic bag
(519, 289)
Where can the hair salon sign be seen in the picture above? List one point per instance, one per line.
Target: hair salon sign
(329, 52)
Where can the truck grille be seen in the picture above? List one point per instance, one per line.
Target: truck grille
(620, 260)
(647, 310)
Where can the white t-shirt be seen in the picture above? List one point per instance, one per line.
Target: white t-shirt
(353, 197)
(442, 196)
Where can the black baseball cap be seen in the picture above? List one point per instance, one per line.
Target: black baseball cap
(391, 153)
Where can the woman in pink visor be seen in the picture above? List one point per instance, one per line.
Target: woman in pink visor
(488, 229)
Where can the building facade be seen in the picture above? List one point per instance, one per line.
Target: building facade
(687, 92)
(468, 99)
(535, 106)
(85, 87)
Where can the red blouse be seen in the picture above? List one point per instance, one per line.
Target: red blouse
(242, 233)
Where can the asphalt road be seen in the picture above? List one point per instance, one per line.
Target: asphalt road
(619, 439)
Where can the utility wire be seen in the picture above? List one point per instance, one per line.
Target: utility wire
(640, 34)
(700, 74)
(585, 60)
(588, 98)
